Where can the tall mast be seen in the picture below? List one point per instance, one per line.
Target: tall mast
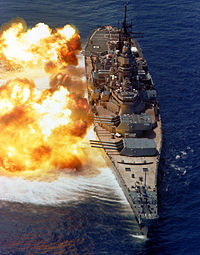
(124, 23)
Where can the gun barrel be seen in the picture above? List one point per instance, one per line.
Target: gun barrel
(103, 117)
(100, 142)
(99, 120)
(104, 122)
(102, 147)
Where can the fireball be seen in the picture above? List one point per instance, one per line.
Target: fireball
(37, 131)
(21, 47)
(43, 131)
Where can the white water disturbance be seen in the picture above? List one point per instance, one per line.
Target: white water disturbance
(141, 237)
(63, 190)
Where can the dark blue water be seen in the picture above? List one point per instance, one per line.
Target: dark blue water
(100, 221)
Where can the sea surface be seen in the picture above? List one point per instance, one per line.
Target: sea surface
(91, 215)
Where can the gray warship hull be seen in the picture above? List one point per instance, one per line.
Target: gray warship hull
(126, 116)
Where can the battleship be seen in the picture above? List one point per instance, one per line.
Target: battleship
(126, 117)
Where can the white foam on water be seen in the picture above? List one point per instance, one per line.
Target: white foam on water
(177, 168)
(63, 190)
(182, 155)
(141, 237)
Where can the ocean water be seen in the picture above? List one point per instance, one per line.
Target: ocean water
(91, 216)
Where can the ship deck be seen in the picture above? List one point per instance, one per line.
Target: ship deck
(133, 171)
